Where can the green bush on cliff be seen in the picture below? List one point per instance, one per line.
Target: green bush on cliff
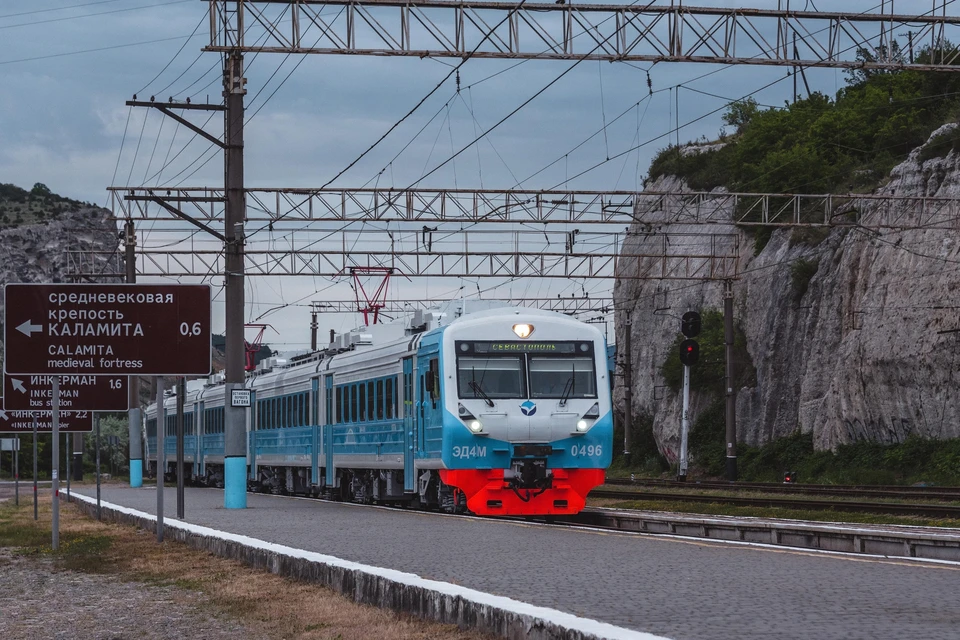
(826, 145)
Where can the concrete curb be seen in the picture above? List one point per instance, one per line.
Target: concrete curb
(385, 588)
(890, 541)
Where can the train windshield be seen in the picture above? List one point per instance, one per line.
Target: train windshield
(497, 377)
(552, 377)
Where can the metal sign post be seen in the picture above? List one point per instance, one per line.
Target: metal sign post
(96, 422)
(55, 468)
(181, 397)
(161, 458)
(34, 466)
(16, 474)
(66, 447)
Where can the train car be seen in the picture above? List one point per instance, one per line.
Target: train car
(500, 412)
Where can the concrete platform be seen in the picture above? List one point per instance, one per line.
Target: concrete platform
(669, 586)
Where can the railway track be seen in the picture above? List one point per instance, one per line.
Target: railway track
(881, 491)
(849, 506)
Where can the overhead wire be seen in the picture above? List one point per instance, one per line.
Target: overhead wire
(92, 15)
(171, 61)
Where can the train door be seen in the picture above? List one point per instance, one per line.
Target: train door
(201, 430)
(330, 421)
(430, 408)
(315, 422)
(409, 426)
(196, 441)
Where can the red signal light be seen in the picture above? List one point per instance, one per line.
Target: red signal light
(689, 352)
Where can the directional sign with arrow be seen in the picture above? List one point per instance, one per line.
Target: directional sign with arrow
(77, 393)
(114, 330)
(22, 421)
(28, 329)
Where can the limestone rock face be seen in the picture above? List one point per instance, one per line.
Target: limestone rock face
(859, 355)
(39, 252)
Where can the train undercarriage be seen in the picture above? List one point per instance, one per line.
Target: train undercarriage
(525, 489)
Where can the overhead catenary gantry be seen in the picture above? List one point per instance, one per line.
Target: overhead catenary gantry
(296, 206)
(475, 253)
(570, 305)
(637, 31)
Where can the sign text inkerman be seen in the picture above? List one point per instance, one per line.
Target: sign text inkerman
(77, 393)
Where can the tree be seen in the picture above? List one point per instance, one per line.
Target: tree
(40, 190)
(740, 113)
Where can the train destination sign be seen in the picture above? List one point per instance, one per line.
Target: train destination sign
(113, 329)
(22, 421)
(77, 393)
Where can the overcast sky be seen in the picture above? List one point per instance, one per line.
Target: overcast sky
(67, 66)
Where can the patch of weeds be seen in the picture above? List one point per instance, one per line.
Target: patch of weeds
(31, 538)
(189, 584)
(84, 553)
(801, 273)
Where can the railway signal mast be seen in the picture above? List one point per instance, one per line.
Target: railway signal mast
(689, 354)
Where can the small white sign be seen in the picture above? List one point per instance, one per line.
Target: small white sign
(9, 444)
(240, 398)
(53, 474)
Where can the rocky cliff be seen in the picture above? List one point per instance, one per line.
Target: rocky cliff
(849, 330)
(41, 252)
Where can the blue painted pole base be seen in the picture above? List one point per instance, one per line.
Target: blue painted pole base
(235, 483)
(136, 473)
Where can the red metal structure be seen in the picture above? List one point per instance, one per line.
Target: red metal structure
(250, 348)
(376, 302)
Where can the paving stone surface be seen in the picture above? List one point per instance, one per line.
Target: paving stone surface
(682, 589)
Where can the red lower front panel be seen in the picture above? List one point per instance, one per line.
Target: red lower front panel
(488, 494)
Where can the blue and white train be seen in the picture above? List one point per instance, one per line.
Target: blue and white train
(501, 412)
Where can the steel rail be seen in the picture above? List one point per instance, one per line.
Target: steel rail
(888, 508)
(921, 493)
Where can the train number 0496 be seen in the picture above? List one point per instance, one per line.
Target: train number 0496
(586, 450)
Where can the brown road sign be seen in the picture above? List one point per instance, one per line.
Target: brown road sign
(77, 393)
(22, 421)
(107, 329)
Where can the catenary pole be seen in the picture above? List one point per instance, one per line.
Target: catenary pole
(133, 384)
(731, 396)
(235, 434)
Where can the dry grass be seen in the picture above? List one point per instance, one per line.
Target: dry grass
(267, 604)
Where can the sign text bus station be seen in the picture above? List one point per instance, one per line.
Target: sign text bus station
(77, 393)
(107, 329)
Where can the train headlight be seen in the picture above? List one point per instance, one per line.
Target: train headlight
(476, 426)
(581, 425)
(523, 330)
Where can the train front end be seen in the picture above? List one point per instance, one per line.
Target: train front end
(527, 421)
